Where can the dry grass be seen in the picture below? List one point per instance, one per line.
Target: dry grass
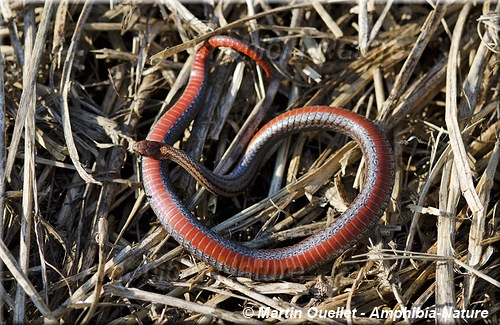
(79, 242)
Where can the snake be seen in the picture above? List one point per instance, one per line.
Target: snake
(234, 258)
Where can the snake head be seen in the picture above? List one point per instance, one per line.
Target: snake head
(151, 149)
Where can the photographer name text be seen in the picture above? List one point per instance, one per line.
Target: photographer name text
(342, 312)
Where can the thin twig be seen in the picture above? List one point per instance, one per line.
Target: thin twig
(29, 185)
(65, 88)
(29, 86)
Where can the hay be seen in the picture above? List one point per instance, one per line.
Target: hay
(83, 81)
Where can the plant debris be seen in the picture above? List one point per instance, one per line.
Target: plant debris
(83, 81)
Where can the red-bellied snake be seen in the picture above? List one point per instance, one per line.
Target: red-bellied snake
(235, 258)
